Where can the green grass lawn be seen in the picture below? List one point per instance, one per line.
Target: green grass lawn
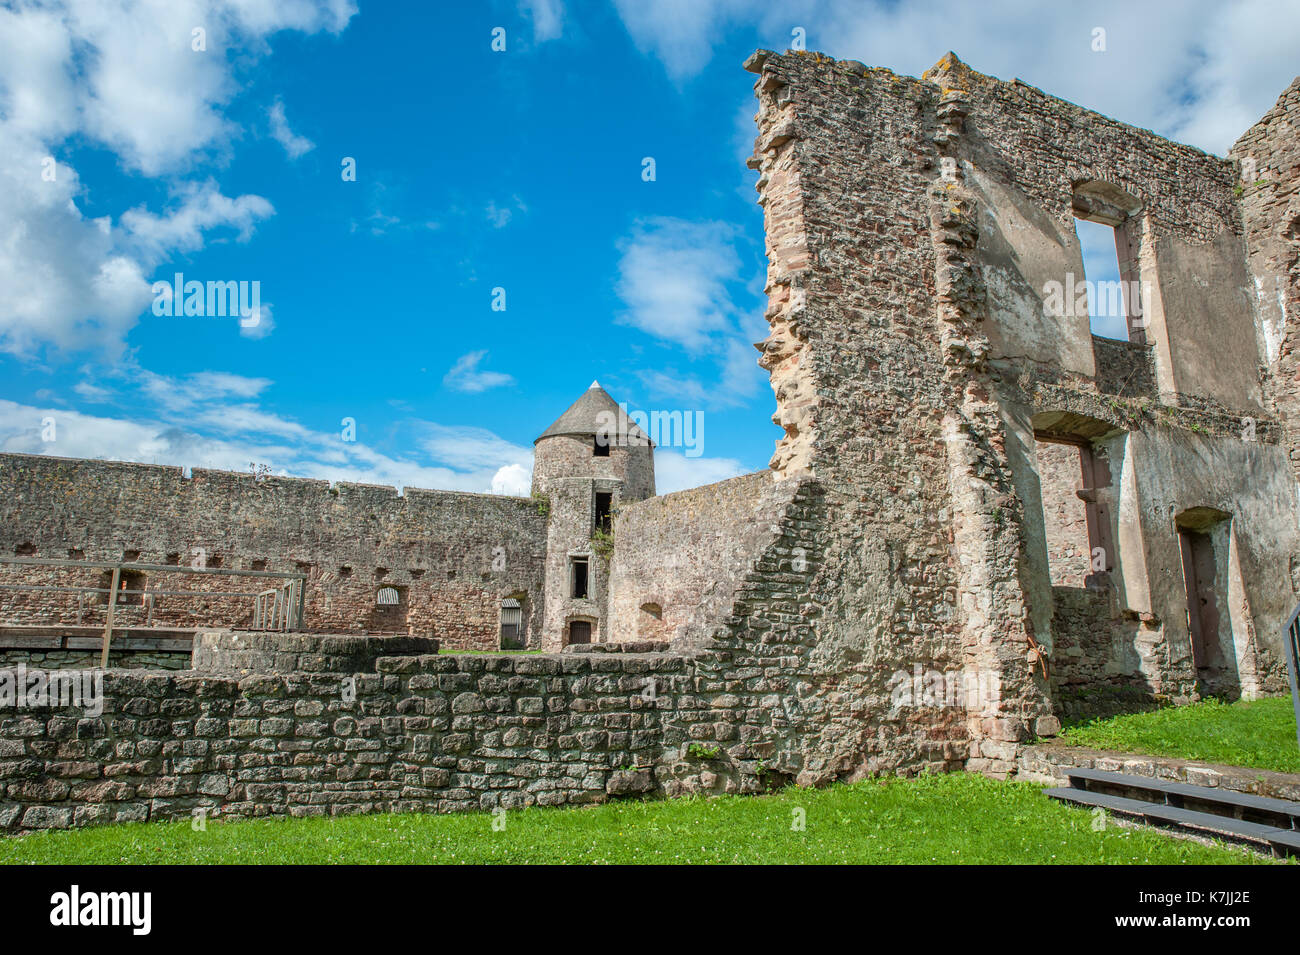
(1259, 734)
(946, 819)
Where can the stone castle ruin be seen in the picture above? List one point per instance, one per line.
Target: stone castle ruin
(981, 518)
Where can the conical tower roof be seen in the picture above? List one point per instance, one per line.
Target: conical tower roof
(592, 414)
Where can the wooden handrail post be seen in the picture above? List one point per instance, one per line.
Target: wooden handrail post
(108, 623)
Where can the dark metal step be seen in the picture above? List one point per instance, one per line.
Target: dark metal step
(1282, 842)
(1282, 813)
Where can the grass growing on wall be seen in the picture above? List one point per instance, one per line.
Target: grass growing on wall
(1259, 734)
(947, 819)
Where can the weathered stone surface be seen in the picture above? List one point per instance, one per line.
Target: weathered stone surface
(452, 556)
(347, 754)
(922, 580)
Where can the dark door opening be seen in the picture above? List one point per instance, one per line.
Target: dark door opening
(1199, 574)
(580, 631)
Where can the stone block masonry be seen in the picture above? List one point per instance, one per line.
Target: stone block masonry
(452, 557)
(245, 652)
(925, 388)
(425, 733)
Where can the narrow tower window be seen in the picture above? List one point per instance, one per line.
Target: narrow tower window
(604, 503)
(578, 577)
(600, 446)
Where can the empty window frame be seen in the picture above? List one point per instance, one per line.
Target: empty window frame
(604, 512)
(1108, 295)
(578, 577)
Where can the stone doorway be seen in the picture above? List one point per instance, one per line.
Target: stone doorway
(1199, 574)
(512, 616)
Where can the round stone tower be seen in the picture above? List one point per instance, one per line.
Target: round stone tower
(590, 461)
(595, 439)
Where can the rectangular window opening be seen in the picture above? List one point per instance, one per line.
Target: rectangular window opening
(604, 506)
(1110, 282)
(578, 577)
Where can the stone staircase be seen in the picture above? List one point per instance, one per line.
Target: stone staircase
(1260, 821)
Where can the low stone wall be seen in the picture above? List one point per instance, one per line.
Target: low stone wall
(245, 652)
(88, 659)
(81, 648)
(426, 733)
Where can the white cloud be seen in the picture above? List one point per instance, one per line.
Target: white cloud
(212, 420)
(293, 144)
(1198, 71)
(547, 17)
(474, 448)
(182, 394)
(146, 93)
(124, 76)
(465, 375)
(676, 472)
(673, 276)
(682, 32)
(677, 279)
(258, 324)
(202, 208)
(500, 216)
(514, 480)
(63, 281)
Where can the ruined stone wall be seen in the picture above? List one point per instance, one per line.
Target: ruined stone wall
(683, 555)
(876, 359)
(1025, 164)
(426, 733)
(1267, 160)
(1025, 158)
(452, 556)
(911, 227)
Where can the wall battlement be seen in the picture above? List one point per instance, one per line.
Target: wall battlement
(453, 556)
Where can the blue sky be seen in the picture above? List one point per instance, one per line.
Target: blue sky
(476, 170)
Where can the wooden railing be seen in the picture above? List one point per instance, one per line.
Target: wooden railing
(280, 608)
